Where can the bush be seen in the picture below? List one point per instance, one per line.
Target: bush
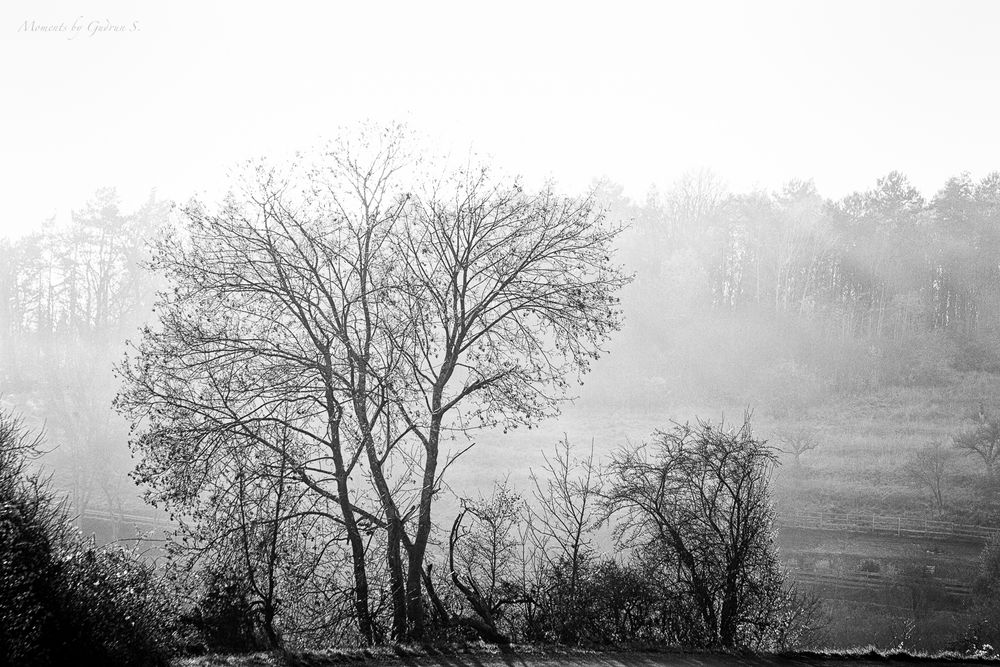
(978, 640)
(223, 618)
(627, 605)
(613, 603)
(987, 582)
(121, 610)
(982, 637)
(869, 566)
(62, 599)
(29, 596)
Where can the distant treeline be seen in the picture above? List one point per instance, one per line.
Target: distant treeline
(82, 280)
(70, 295)
(765, 298)
(739, 292)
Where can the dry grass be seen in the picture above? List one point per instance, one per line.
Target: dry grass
(859, 467)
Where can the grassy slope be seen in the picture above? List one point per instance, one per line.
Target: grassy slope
(858, 468)
(865, 441)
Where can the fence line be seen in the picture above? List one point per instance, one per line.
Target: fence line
(886, 525)
(114, 517)
(857, 523)
(867, 580)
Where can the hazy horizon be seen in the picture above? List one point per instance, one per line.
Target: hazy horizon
(810, 201)
(762, 93)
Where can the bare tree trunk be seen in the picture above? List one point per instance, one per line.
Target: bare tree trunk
(397, 584)
(394, 524)
(414, 592)
(365, 626)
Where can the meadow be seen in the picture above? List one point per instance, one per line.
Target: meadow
(860, 467)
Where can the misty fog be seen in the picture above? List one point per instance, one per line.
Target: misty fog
(865, 327)
(761, 256)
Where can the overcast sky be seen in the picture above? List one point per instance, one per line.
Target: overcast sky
(841, 92)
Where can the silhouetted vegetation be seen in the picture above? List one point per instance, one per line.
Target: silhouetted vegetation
(64, 600)
(331, 328)
(349, 326)
(695, 565)
(698, 498)
(982, 637)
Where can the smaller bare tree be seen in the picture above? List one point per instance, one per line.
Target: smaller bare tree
(797, 442)
(17, 447)
(563, 519)
(566, 505)
(484, 562)
(983, 441)
(927, 468)
(699, 498)
(979, 416)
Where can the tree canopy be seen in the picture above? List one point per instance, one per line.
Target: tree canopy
(370, 307)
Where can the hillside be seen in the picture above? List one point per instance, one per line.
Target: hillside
(865, 442)
(860, 467)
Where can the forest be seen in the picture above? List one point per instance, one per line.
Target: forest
(347, 389)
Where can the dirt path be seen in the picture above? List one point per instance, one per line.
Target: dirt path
(516, 658)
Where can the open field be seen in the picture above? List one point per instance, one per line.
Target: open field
(888, 526)
(858, 468)
(839, 551)
(883, 590)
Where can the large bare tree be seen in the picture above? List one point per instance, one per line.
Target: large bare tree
(374, 309)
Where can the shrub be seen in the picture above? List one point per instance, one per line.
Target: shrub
(978, 640)
(627, 605)
(869, 566)
(612, 603)
(982, 636)
(62, 599)
(116, 605)
(223, 618)
(30, 620)
(987, 581)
